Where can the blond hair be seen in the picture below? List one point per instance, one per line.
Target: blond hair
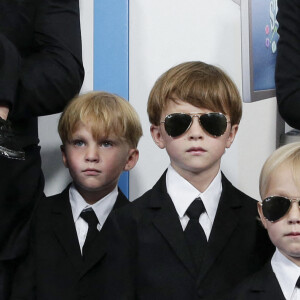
(198, 83)
(105, 114)
(289, 155)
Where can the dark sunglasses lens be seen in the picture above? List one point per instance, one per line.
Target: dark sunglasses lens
(275, 208)
(214, 123)
(177, 124)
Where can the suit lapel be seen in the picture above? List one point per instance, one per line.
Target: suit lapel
(64, 228)
(98, 251)
(224, 224)
(167, 222)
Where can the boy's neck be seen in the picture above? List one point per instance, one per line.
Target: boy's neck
(276, 257)
(294, 259)
(92, 197)
(200, 181)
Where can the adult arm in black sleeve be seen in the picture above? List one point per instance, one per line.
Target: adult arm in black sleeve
(53, 73)
(10, 65)
(287, 75)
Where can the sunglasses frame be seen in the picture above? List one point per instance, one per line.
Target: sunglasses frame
(291, 202)
(192, 115)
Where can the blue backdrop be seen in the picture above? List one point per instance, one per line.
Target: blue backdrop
(111, 52)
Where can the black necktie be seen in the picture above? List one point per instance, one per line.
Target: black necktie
(90, 217)
(194, 232)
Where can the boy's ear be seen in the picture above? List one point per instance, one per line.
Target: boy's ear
(261, 215)
(233, 130)
(133, 157)
(157, 136)
(64, 157)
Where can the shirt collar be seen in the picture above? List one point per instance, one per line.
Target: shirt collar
(183, 193)
(101, 208)
(286, 272)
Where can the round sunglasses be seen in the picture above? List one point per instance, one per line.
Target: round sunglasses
(214, 123)
(276, 207)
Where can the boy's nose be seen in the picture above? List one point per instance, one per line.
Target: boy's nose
(92, 154)
(195, 131)
(294, 213)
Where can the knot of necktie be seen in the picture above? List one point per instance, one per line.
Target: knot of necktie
(90, 217)
(195, 209)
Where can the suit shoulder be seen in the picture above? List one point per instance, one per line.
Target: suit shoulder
(144, 199)
(134, 209)
(246, 198)
(46, 204)
(53, 197)
(138, 203)
(230, 189)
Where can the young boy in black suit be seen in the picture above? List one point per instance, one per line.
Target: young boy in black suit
(100, 133)
(280, 215)
(193, 235)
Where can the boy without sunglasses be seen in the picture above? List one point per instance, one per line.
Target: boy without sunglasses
(160, 261)
(280, 215)
(100, 133)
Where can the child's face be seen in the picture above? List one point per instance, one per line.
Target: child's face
(195, 151)
(284, 233)
(96, 165)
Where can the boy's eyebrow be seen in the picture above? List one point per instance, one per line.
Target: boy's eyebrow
(76, 136)
(111, 138)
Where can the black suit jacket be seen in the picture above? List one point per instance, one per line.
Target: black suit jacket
(55, 269)
(148, 256)
(287, 75)
(262, 285)
(40, 71)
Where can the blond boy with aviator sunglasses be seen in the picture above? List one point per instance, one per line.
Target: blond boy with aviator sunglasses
(280, 215)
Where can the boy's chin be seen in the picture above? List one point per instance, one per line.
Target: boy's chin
(293, 255)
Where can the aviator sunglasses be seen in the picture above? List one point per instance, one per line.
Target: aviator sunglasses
(276, 207)
(214, 123)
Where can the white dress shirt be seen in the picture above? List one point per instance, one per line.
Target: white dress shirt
(183, 194)
(287, 274)
(102, 208)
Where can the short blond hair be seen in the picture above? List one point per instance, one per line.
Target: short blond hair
(198, 83)
(289, 155)
(104, 113)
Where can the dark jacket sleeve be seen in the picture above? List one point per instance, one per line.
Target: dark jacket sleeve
(287, 75)
(10, 66)
(53, 73)
(24, 284)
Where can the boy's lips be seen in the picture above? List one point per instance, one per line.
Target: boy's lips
(196, 150)
(293, 233)
(91, 171)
